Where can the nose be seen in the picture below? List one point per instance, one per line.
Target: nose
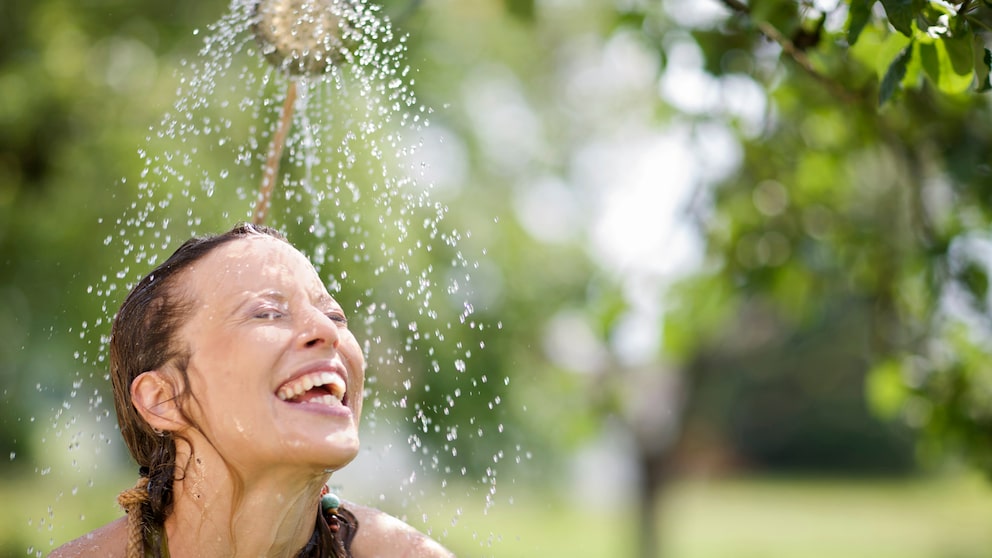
(320, 331)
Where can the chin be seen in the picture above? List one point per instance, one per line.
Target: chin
(327, 450)
(340, 449)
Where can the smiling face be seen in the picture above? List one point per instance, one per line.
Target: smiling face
(275, 376)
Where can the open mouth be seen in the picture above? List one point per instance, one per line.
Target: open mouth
(322, 388)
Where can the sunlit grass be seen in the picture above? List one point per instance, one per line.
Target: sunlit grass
(812, 519)
(748, 518)
(757, 518)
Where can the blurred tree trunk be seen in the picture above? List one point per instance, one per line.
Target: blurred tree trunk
(654, 471)
(654, 418)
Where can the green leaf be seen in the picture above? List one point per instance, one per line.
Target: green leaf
(895, 73)
(900, 14)
(880, 52)
(857, 18)
(885, 389)
(522, 9)
(975, 279)
(982, 71)
(949, 63)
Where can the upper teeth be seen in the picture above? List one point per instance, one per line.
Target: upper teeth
(335, 384)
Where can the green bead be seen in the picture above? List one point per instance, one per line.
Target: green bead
(330, 502)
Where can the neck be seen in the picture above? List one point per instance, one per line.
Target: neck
(218, 513)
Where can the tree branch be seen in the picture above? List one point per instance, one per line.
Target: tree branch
(737, 6)
(800, 58)
(797, 55)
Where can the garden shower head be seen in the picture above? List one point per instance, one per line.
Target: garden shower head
(300, 37)
(303, 37)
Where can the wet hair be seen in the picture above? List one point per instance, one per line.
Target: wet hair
(143, 338)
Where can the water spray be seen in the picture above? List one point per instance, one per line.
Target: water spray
(301, 38)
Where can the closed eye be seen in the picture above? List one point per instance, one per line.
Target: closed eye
(269, 314)
(337, 317)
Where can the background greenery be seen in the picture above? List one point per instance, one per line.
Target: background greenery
(796, 284)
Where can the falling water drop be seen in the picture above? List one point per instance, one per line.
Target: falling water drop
(346, 199)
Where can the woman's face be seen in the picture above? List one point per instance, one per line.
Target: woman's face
(275, 375)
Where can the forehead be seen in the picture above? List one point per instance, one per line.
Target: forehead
(252, 264)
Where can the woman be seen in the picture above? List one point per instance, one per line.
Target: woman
(238, 390)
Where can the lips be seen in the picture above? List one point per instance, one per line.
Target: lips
(324, 385)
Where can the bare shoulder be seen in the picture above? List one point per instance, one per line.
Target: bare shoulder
(381, 535)
(108, 541)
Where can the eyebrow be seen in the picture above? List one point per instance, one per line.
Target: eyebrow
(271, 294)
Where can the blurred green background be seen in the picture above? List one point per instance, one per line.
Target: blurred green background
(733, 258)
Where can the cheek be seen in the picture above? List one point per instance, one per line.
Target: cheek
(355, 360)
(225, 369)
(236, 355)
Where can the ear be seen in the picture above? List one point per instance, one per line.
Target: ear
(155, 394)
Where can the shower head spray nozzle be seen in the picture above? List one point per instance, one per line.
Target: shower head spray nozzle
(302, 36)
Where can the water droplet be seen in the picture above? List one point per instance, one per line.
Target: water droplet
(348, 127)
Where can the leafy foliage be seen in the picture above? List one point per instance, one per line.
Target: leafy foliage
(885, 205)
(863, 184)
